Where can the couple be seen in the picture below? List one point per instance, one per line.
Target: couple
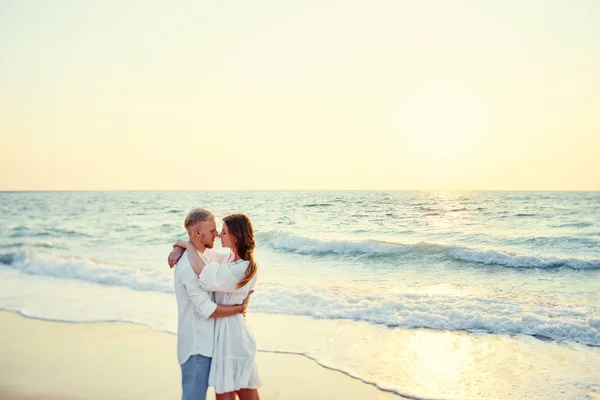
(214, 345)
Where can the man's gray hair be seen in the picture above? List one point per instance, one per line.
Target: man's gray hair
(197, 215)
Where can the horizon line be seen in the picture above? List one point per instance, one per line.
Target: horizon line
(299, 190)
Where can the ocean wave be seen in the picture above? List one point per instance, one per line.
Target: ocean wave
(11, 245)
(318, 205)
(406, 310)
(440, 312)
(7, 259)
(574, 225)
(440, 210)
(282, 241)
(45, 244)
(494, 257)
(26, 232)
(88, 270)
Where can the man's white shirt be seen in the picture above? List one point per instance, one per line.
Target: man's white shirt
(195, 330)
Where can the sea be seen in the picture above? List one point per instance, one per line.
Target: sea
(429, 295)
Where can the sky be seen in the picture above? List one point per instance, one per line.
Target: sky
(270, 94)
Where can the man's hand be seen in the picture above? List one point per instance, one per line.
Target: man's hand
(175, 255)
(245, 303)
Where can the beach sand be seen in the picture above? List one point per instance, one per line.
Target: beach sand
(55, 360)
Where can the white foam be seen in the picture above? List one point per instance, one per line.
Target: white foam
(407, 310)
(493, 257)
(572, 323)
(89, 270)
(309, 246)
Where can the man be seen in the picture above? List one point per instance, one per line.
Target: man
(196, 310)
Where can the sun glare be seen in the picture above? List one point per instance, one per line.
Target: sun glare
(441, 122)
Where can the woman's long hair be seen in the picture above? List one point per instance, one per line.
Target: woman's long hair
(240, 228)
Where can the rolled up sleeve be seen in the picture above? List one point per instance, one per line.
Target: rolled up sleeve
(200, 299)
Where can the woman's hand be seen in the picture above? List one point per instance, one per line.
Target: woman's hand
(175, 255)
(245, 303)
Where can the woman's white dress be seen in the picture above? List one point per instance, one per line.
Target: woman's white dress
(233, 365)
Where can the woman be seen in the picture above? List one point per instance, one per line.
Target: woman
(233, 369)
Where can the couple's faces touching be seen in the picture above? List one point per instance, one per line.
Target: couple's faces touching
(207, 233)
(226, 239)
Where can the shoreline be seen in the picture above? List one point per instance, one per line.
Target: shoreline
(45, 359)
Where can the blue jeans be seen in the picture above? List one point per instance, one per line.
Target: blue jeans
(194, 377)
